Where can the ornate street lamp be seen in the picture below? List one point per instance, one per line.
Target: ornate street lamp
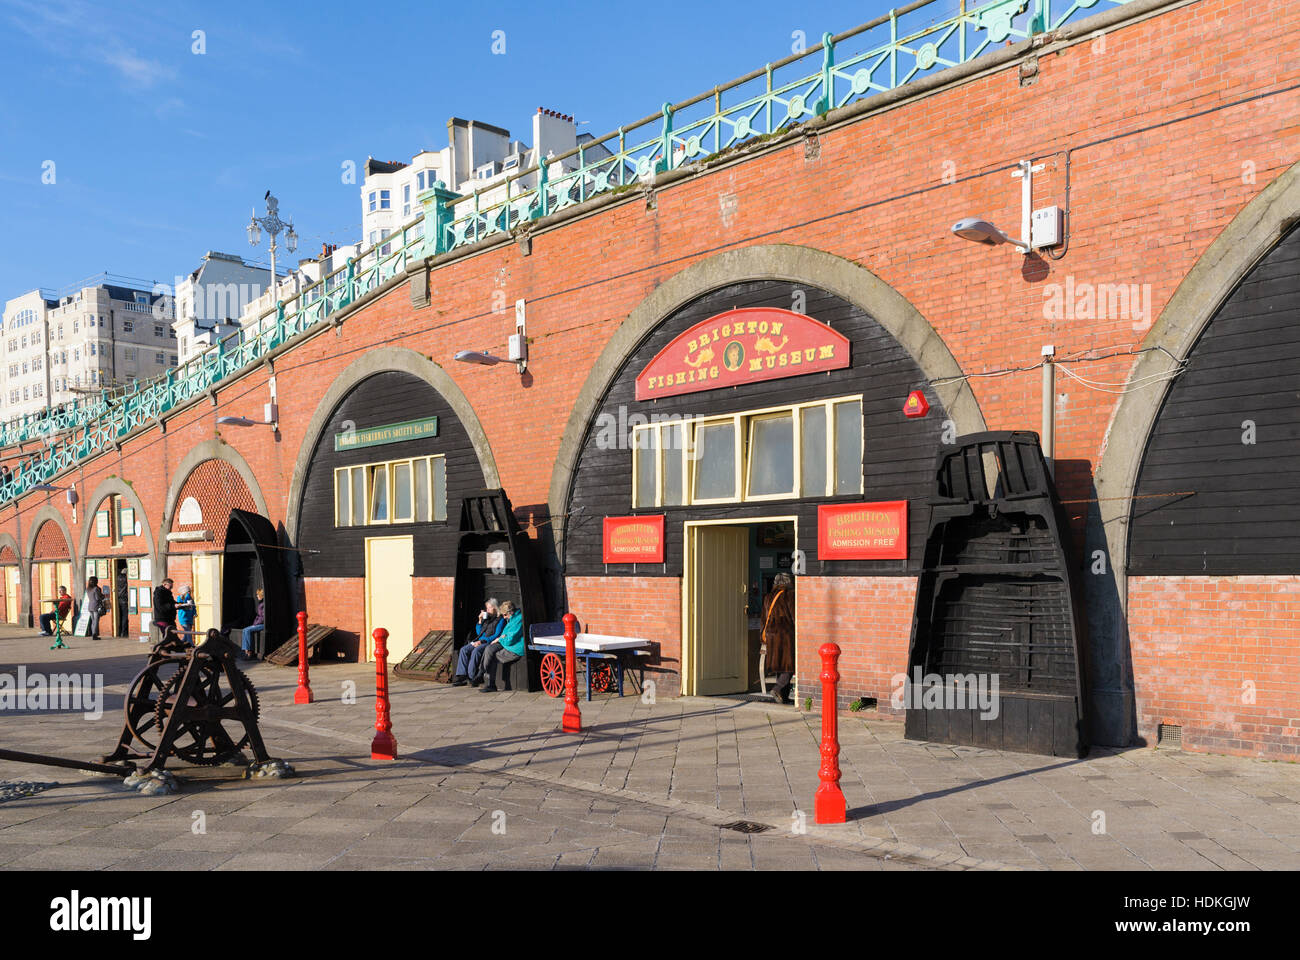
(273, 225)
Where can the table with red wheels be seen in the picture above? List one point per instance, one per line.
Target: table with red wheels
(603, 658)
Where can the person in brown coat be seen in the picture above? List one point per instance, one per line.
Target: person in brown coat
(778, 634)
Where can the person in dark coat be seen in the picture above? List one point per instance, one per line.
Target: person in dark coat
(778, 634)
(164, 607)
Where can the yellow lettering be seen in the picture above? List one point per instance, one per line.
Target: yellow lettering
(826, 351)
(762, 326)
(784, 360)
(681, 378)
(795, 358)
(776, 327)
(753, 326)
(810, 354)
(756, 365)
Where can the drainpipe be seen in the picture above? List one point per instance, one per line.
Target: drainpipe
(1049, 409)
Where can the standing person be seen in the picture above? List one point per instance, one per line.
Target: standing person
(185, 611)
(505, 649)
(92, 605)
(164, 608)
(257, 626)
(471, 654)
(778, 634)
(56, 614)
(122, 626)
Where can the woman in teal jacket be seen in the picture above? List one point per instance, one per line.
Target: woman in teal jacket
(505, 649)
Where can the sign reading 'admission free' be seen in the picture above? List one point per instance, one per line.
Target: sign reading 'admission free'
(388, 433)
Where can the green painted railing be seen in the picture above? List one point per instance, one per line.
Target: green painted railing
(876, 57)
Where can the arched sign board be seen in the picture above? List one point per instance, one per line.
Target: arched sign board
(742, 346)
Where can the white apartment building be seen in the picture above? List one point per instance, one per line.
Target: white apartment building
(211, 300)
(477, 156)
(97, 337)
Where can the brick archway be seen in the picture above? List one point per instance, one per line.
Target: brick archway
(235, 466)
(1245, 241)
(11, 555)
(110, 487)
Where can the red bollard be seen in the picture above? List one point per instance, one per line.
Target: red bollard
(384, 746)
(303, 693)
(572, 715)
(828, 803)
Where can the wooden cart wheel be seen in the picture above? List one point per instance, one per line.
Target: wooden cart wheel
(552, 675)
(602, 678)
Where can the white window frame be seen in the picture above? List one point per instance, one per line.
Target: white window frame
(367, 471)
(743, 426)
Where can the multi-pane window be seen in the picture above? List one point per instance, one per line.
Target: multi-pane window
(384, 202)
(397, 491)
(808, 450)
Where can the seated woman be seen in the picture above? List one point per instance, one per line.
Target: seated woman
(505, 649)
(487, 629)
(257, 626)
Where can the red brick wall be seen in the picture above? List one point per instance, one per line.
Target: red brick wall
(338, 602)
(131, 545)
(218, 488)
(1203, 646)
(871, 620)
(431, 605)
(646, 607)
(51, 544)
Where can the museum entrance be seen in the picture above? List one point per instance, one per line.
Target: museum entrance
(730, 568)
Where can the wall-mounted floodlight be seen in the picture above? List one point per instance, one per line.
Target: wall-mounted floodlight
(981, 231)
(1038, 228)
(271, 412)
(482, 358)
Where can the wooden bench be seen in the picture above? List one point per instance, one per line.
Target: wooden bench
(286, 655)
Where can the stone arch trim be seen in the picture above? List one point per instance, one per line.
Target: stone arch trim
(398, 359)
(214, 449)
(47, 513)
(107, 488)
(796, 264)
(1246, 240)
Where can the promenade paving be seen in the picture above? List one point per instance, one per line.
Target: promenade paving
(488, 781)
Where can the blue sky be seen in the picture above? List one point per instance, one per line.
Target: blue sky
(160, 154)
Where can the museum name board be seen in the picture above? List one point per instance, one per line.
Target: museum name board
(742, 346)
(634, 539)
(862, 531)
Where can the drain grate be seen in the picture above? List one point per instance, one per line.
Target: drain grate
(1169, 735)
(746, 826)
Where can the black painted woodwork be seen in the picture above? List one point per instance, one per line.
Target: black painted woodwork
(388, 397)
(1239, 512)
(898, 452)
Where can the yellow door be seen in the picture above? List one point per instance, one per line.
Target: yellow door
(13, 581)
(717, 594)
(390, 564)
(206, 586)
(48, 589)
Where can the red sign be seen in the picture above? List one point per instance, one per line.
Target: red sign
(862, 531)
(634, 539)
(916, 405)
(742, 346)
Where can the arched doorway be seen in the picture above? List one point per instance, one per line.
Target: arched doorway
(10, 583)
(1213, 544)
(51, 553)
(797, 448)
(375, 506)
(117, 542)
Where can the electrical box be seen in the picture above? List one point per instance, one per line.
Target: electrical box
(518, 347)
(1045, 228)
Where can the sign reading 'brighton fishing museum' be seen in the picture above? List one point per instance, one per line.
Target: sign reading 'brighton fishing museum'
(742, 346)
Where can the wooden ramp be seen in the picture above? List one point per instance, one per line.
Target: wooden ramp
(432, 659)
(286, 655)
